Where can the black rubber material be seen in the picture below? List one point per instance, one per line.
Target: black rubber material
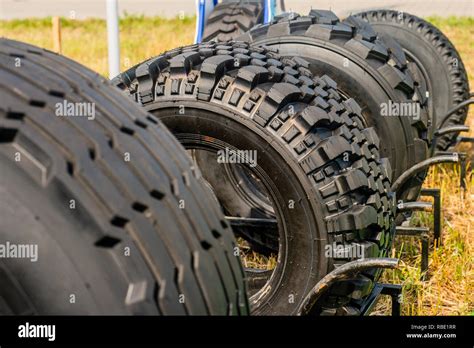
(231, 18)
(110, 231)
(368, 67)
(442, 65)
(311, 145)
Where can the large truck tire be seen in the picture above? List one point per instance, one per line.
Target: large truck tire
(317, 160)
(121, 220)
(372, 69)
(437, 60)
(231, 18)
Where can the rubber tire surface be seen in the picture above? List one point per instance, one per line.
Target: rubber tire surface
(110, 232)
(229, 19)
(302, 130)
(368, 67)
(443, 66)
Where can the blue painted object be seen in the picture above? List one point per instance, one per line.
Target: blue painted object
(205, 7)
(269, 10)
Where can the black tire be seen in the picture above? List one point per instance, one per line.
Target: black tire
(368, 67)
(321, 167)
(439, 63)
(123, 245)
(231, 18)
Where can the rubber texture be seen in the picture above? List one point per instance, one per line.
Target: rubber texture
(383, 69)
(440, 61)
(229, 19)
(310, 141)
(115, 236)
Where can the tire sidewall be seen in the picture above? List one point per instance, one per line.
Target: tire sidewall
(303, 262)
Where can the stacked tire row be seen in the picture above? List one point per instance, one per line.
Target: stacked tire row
(277, 136)
(378, 58)
(312, 148)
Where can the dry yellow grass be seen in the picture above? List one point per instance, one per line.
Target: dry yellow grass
(86, 40)
(450, 286)
(252, 259)
(449, 289)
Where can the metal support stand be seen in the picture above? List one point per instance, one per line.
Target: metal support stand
(395, 292)
(345, 271)
(392, 290)
(425, 249)
(460, 140)
(437, 228)
(462, 174)
(462, 162)
(419, 167)
(422, 232)
(463, 158)
(452, 129)
(456, 109)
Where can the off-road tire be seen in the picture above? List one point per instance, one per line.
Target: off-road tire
(231, 18)
(442, 65)
(370, 68)
(122, 221)
(325, 174)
